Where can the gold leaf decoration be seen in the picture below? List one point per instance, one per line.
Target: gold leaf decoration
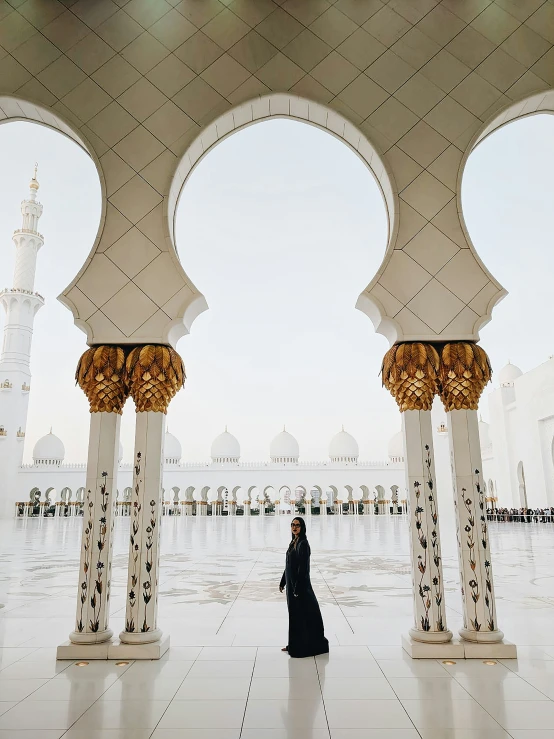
(155, 374)
(464, 371)
(409, 372)
(101, 375)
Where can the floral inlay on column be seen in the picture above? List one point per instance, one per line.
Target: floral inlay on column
(464, 372)
(100, 374)
(409, 372)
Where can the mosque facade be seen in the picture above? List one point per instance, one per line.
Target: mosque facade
(228, 484)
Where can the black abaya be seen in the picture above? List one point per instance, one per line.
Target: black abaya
(306, 636)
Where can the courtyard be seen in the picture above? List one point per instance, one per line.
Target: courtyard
(225, 677)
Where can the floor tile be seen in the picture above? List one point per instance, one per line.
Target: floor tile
(158, 689)
(285, 714)
(33, 670)
(201, 715)
(428, 688)
(488, 692)
(349, 668)
(349, 653)
(374, 734)
(283, 687)
(205, 688)
(451, 714)
(304, 668)
(128, 714)
(181, 654)
(290, 733)
(524, 715)
(33, 734)
(476, 668)
(17, 690)
(147, 671)
(413, 668)
(227, 653)
(42, 715)
(544, 685)
(196, 734)
(357, 688)
(366, 714)
(491, 733)
(107, 734)
(229, 669)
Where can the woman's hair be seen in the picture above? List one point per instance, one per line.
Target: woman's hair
(302, 534)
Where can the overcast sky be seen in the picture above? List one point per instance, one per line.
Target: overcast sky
(280, 227)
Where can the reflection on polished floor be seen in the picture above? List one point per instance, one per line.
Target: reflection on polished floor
(225, 677)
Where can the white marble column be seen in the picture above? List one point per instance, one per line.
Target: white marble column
(427, 577)
(142, 584)
(93, 599)
(479, 608)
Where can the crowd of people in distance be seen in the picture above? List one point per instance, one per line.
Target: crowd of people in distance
(523, 515)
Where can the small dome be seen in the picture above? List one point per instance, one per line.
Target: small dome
(284, 448)
(172, 449)
(49, 450)
(120, 453)
(484, 434)
(396, 448)
(508, 375)
(225, 448)
(343, 447)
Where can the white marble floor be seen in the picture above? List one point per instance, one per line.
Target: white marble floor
(224, 676)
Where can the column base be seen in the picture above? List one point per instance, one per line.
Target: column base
(458, 649)
(453, 649)
(153, 650)
(481, 637)
(81, 637)
(112, 650)
(496, 650)
(140, 637)
(430, 637)
(72, 651)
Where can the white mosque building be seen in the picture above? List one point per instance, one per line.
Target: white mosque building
(226, 483)
(517, 445)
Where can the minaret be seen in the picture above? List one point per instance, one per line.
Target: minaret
(21, 304)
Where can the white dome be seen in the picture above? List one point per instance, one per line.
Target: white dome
(172, 449)
(396, 447)
(343, 447)
(508, 375)
(484, 434)
(49, 450)
(284, 448)
(225, 448)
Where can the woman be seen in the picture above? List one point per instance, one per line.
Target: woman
(306, 637)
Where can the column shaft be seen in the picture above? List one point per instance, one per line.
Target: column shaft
(479, 609)
(98, 520)
(142, 585)
(427, 577)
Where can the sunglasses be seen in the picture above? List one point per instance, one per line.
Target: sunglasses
(295, 526)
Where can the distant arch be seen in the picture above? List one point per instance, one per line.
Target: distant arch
(286, 105)
(522, 488)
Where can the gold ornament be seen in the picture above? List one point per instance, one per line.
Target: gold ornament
(409, 372)
(464, 371)
(101, 376)
(154, 373)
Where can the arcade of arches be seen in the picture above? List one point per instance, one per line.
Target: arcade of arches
(147, 90)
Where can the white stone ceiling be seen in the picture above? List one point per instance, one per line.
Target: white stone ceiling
(138, 82)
